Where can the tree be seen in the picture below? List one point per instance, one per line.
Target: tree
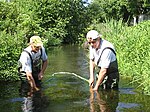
(118, 9)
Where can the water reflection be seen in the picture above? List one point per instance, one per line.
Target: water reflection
(33, 101)
(103, 101)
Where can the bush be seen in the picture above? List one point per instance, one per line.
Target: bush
(11, 47)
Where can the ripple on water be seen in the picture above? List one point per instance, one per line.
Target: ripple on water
(127, 91)
(17, 100)
(122, 105)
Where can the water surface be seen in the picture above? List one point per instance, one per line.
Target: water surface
(68, 93)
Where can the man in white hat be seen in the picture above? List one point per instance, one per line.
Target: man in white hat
(102, 54)
(30, 60)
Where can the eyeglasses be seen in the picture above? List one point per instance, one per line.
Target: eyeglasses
(92, 42)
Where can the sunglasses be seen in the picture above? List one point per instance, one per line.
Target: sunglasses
(92, 42)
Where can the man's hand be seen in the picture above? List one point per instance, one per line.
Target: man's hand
(40, 76)
(95, 88)
(91, 82)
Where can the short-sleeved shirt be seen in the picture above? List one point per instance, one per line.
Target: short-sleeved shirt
(26, 60)
(107, 56)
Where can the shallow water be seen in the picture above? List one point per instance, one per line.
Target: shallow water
(68, 93)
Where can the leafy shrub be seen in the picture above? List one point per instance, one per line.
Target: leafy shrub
(10, 50)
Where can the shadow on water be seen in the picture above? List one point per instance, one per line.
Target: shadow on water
(68, 93)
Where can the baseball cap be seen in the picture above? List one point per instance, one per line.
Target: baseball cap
(93, 34)
(36, 41)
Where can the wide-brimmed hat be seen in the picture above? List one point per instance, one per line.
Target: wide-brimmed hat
(36, 41)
